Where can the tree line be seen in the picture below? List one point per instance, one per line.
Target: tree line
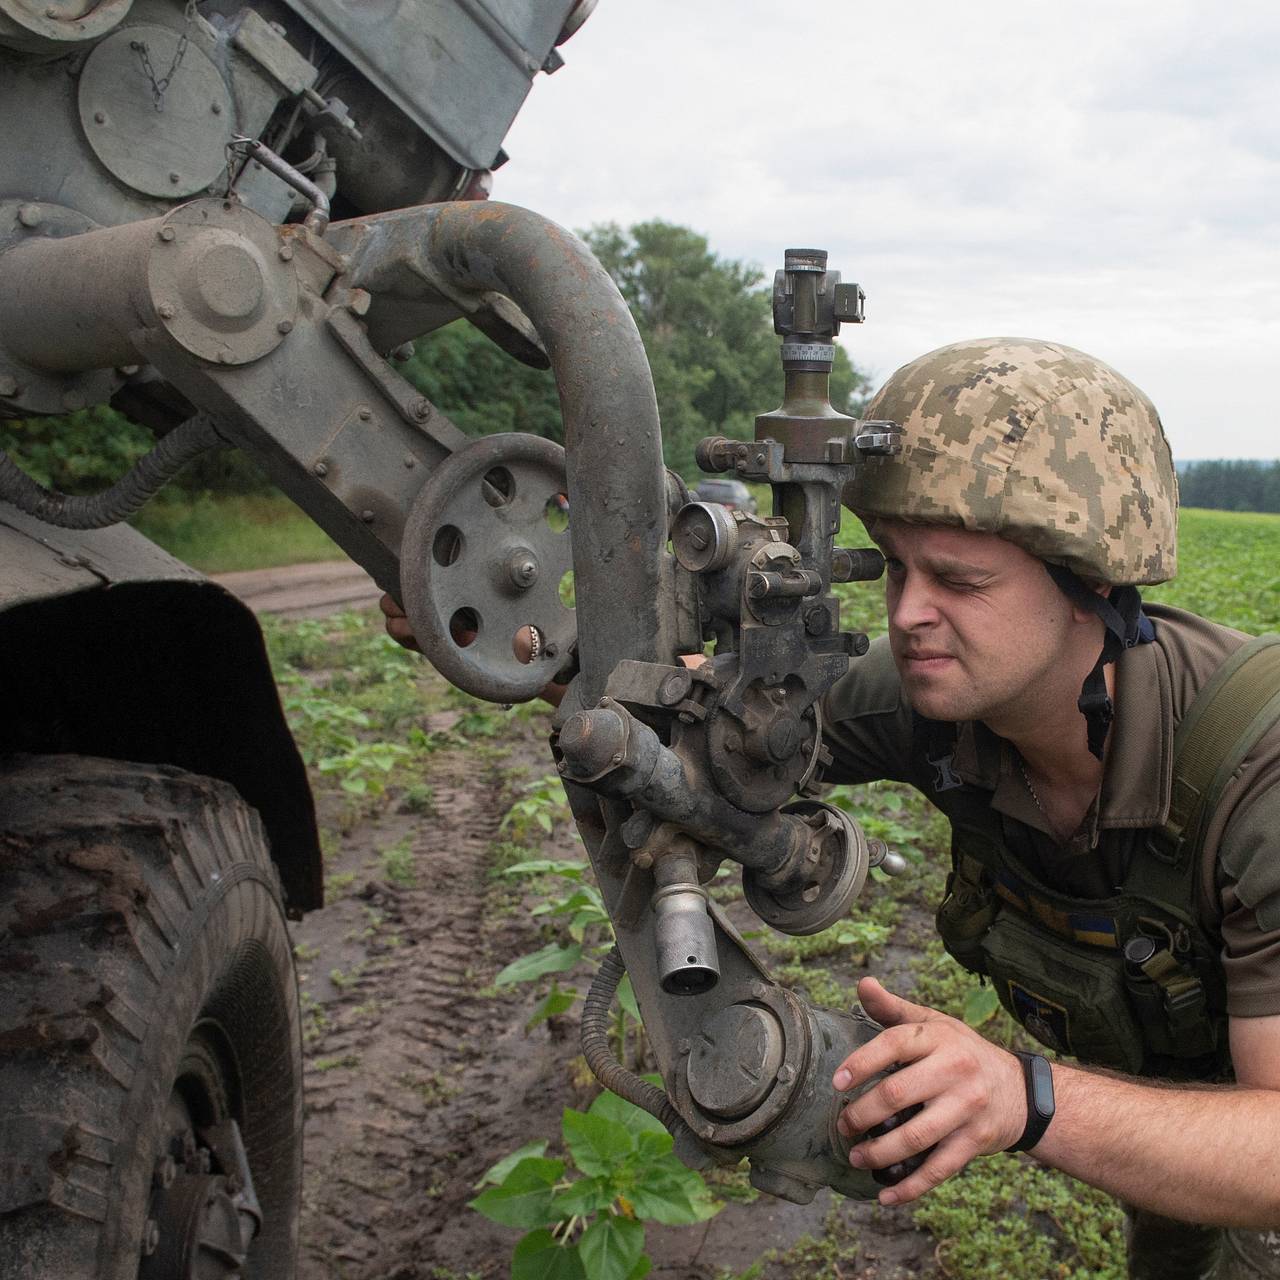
(1226, 485)
(707, 326)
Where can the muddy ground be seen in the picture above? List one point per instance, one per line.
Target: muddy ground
(420, 1075)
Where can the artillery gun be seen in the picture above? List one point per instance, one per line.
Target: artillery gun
(226, 220)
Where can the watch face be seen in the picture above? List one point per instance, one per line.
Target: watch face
(1041, 1087)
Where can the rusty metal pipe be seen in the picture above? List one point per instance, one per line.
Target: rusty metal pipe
(617, 496)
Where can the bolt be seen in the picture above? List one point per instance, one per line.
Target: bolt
(285, 326)
(216, 108)
(150, 1237)
(758, 990)
(167, 234)
(364, 413)
(403, 352)
(99, 117)
(817, 622)
(320, 470)
(164, 1173)
(166, 311)
(561, 767)
(359, 301)
(367, 516)
(410, 461)
(285, 253)
(30, 215)
(860, 644)
(8, 385)
(643, 859)
(684, 1046)
(786, 1073)
(51, 12)
(225, 357)
(617, 757)
(128, 370)
(72, 400)
(175, 178)
(422, 410)
(707, 1132)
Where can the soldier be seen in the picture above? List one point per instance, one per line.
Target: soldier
(1123, 900)
(1126, 913)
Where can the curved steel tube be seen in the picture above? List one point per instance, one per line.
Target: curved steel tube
(617, 494)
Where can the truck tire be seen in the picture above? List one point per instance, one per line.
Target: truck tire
(150, 1047)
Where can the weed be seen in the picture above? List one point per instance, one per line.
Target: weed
(434, 1089)
(338, 882)
(593, 1225)
(342, 1062)
(398, 863)
(305, 952)
(542, 804)
(419, 798)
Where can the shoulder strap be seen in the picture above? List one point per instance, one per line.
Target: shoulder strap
(1237, 705)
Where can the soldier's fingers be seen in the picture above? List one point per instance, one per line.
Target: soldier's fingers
(950, 1157)
(901, 1044)
(389, 607)
(889, 1009)
(928, 1128)
(899, 1090)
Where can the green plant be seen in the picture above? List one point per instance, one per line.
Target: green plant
(542, 803)
(398, 863)
(593, 1225)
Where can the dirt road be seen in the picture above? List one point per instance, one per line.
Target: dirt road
(303, 590)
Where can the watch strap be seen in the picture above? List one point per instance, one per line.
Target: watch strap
(1039, 1081)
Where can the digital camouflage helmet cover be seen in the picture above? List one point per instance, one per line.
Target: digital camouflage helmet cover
(1037, 442)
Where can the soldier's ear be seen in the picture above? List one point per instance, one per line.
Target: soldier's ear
(1103, 589)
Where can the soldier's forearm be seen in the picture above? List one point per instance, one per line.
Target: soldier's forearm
(1197, 1153)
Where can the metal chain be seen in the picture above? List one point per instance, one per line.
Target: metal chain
(160, 84)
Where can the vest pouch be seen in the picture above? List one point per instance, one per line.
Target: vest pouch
(1069, 996)
(963, 918)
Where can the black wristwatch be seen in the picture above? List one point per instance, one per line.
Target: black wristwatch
(1039, 1078)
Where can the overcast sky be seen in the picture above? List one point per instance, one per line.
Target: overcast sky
(1101, 174)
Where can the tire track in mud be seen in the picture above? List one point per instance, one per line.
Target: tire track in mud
(408, 1092)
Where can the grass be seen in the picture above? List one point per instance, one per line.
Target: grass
(221, 533)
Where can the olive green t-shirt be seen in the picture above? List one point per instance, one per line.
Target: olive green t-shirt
(870, 731)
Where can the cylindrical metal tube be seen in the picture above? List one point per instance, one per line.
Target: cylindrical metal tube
(684, 937)
(73, 304)
(653, 777)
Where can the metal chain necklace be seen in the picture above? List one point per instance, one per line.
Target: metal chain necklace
(1026, 777)
(160, 84)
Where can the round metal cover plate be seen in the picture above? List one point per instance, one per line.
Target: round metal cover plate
(51, 24)
(173, 152)
(219, 283)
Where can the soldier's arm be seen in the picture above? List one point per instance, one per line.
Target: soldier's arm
(1202, 1153)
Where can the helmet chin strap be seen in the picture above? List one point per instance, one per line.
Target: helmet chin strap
(1126, 625)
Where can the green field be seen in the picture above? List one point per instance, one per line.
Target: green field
(218, 534)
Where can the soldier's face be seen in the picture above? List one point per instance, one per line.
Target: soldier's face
(977, 628)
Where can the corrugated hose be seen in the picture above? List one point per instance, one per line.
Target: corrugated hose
(607, 1069)
(129, 494)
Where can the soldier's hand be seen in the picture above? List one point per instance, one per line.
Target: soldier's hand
(972, 1093)
(397, 624)
(399, 629)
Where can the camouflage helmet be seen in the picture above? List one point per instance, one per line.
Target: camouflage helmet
(1033, 441)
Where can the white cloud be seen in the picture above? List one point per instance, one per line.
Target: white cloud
(1103, 175)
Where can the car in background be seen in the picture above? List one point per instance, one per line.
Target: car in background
(729, 493)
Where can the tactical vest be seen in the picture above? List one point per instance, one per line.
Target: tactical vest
(1132, 981)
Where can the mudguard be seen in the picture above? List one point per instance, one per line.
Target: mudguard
(111, 647)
